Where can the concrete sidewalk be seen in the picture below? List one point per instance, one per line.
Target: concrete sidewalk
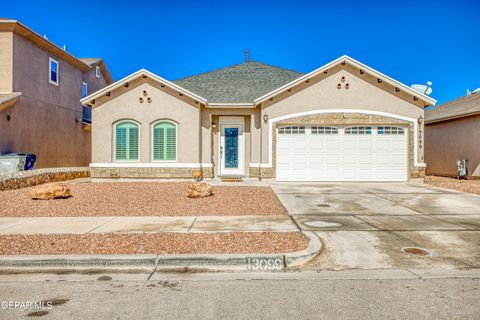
(145, 224)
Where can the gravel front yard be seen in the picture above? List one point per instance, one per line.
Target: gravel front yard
(160, 243)
(471, 186)
(142, 199)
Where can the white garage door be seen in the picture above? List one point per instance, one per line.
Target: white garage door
(358, 153)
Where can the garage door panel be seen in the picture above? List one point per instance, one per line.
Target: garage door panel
(283, 159)
(299, 144)
(332, 144)
(349, 158)
(300, 159)
(339, 157)
(316, 158)
(332, 159)
(316, 145)
(365, 159)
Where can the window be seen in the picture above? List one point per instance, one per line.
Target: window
(164, 141)
(53, 71)
(390, 130)
(126, 141)
(358, 130)
(97, 71)
(292, 130)
(84, 90)
(324, 130)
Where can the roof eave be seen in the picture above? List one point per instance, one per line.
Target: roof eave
(426, 99)
(220, 105)
(454, 117)
(24, 31)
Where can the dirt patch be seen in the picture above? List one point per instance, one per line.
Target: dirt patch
(143, 199)
(55, 302)
(470, 186)
(161, 243)
(37, 313)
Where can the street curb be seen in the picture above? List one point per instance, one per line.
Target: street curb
(166, 262)
(298, 258)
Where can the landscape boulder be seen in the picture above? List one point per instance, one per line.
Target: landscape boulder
(199, 190)
(50, 191)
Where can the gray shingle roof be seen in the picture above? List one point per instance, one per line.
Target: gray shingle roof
(240, 83)
(457, 108)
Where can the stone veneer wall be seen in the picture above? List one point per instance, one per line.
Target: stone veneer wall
(342, 119)
(148, 173)
(34, 177)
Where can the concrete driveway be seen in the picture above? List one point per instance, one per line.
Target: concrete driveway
(366, 225)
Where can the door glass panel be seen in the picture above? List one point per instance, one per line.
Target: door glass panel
(231, 147)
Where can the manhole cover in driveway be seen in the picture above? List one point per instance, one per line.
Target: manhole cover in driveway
(417, 251)
(322, 224)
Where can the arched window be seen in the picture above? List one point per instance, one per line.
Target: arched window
(164, 141)
(126, 141)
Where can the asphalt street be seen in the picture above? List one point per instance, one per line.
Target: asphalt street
(238, 296)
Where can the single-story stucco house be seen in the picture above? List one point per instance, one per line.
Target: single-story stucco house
(342, 122)
(452, 133)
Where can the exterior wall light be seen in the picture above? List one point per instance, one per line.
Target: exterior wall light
(125, 84)
(265, 118)
(214, 124)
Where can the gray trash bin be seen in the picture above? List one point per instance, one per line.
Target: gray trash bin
(12, 163)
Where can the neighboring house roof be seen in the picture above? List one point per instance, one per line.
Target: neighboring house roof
(240, 83)
(140, 74)
(344, 60)
(90, 61)
(7, 99)
(93, 62)
(462, 107)
(20, 29)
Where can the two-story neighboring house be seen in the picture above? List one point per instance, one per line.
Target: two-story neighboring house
(40, 88)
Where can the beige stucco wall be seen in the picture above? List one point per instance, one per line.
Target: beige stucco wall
(164, 106)
(43, 119)
(322, 93)
(449, 141)
(6, 61)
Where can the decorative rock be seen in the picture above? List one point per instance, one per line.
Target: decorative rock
(199, 190)
(50, 191)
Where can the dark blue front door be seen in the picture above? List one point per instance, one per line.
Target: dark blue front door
(231, 147)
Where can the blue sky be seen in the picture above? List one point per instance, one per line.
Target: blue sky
(411, 41)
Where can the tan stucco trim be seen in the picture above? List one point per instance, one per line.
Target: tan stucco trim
(9, 101)
(347, 60)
